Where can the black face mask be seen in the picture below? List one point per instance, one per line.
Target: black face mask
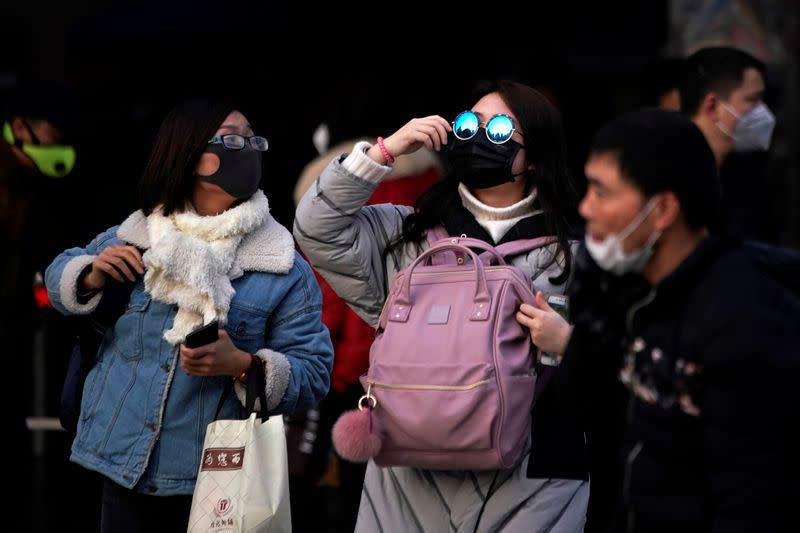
(239, 172)
(478, 163)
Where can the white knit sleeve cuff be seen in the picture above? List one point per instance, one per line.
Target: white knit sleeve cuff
(363, 166)
(278, 371)
(68, 286)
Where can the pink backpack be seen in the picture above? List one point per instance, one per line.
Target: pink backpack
(451, 380)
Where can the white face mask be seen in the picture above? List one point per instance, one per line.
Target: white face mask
(609, 254)
(753, 131)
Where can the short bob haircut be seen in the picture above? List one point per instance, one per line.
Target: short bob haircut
(169, 176)
(661, 151)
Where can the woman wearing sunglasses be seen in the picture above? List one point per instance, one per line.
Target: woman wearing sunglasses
(202, 250)
(509, 181)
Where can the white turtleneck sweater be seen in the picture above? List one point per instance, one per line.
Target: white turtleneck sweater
(497, 220)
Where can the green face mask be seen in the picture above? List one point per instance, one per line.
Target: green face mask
(53, 160)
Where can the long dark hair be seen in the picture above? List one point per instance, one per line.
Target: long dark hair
(169, 175)
(544, 148)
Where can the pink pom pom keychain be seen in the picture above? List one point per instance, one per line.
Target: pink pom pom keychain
(355, 436)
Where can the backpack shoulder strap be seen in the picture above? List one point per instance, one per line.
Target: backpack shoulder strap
(436, 233)
(432, 236)
(507, 249)
(520, 246)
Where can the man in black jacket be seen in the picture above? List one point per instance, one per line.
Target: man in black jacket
(723, 93)
(706, 340)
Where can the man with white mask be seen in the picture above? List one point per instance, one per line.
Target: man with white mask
(706, 342)
(723, 93)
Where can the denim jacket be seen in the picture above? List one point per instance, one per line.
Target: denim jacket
(143, 420)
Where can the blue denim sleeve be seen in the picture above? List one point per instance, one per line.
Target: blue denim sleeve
(295, 331)
(61, 276)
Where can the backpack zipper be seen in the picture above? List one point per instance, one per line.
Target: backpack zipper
(429, 387)
(487, 269)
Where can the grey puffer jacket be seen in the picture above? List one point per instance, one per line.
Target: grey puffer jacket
(348, 242)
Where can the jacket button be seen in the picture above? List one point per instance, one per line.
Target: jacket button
(241, 329)
(165, 367)
(150, 426)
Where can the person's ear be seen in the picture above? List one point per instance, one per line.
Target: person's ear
(667, 210)
(709, 107)
(20, 130)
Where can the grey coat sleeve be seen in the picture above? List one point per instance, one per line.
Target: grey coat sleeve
(346, 241)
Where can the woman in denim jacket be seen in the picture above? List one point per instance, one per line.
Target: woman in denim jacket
(211, 251)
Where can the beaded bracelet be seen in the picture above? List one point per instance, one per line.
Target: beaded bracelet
(386, 155)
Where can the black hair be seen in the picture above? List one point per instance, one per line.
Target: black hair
(544, 148)
(169, 175)
(717, 69)
(34, 99)
(659, 151)
(661, 76)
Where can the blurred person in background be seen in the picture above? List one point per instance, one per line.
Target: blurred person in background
(661, 81)
(38, 193)
(723, 93)
(310, 433)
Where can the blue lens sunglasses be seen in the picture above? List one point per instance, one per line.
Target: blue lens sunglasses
(499, 128)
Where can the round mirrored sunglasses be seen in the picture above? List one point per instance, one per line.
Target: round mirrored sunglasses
(499, 128)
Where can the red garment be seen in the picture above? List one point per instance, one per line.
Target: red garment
(405, 190)
(351, 336)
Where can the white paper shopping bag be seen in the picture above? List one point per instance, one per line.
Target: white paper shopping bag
(243, 481)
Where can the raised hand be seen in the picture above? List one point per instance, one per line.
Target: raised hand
(119, 262)
(430, 132)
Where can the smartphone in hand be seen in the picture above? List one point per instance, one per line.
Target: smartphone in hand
(203, 335)
(559, 304)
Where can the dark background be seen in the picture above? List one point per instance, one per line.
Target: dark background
(364, 69)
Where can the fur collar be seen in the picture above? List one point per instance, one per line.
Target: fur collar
(268, 249)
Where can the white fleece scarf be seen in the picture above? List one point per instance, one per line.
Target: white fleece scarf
(190, 259)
